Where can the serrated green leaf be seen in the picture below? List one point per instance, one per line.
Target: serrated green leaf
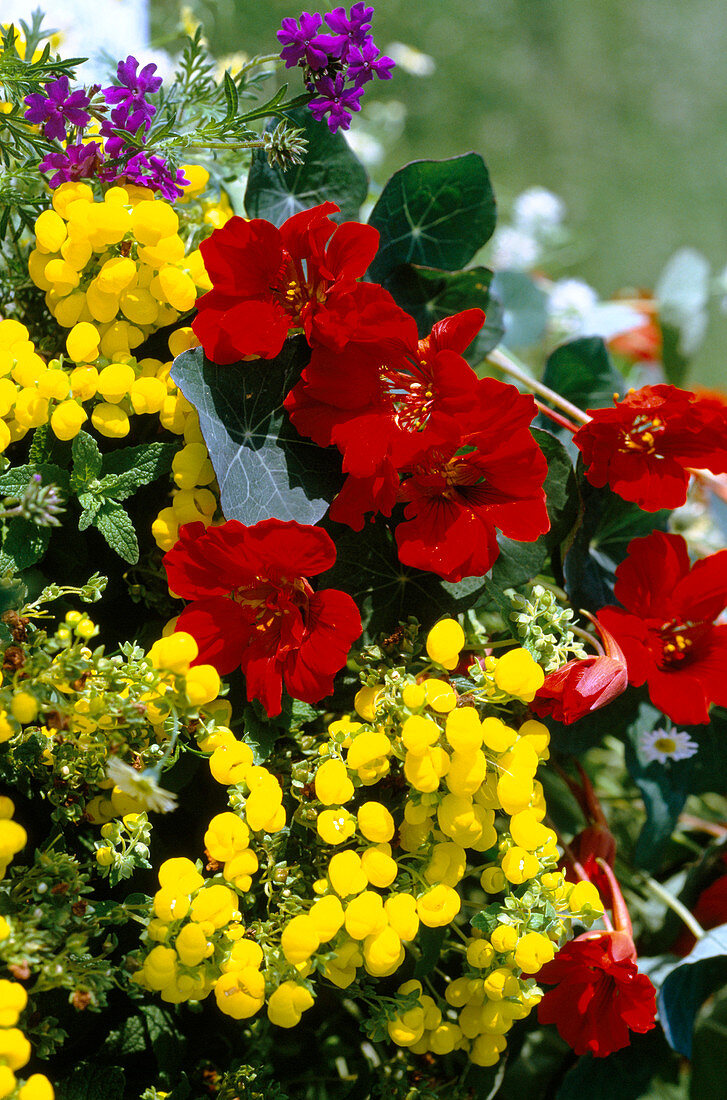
(429, 295)
(115, 525)
(263, 467)
(433, 213)
(14, 481)
(24, 544)
(430, 941)
(518, 562)
(125, 471)
(330, 172)
(86, 462)
(12, 594)
(583, 372)
(259, 732)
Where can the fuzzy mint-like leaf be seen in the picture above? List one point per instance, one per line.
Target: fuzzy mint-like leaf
(125, 471)
(264, 468)
(86, 462)
(115, 525)
(433, 213)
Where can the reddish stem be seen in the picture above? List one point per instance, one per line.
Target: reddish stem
(561, 421)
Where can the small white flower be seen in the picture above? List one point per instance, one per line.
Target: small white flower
(142, 786)
(662, 745)
(410, 59)
(513, 250)
(538, 212)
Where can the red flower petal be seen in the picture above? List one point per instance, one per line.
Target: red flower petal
(220, 628)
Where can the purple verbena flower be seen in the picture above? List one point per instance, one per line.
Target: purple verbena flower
(364, 63)
(128, 118)
(76, 162)
(132, 85)
(353, 27)
(56, 107)
(336, 101)
(154, 172)
(302, 42)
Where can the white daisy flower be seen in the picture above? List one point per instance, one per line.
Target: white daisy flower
(662, 745)
(141, 786)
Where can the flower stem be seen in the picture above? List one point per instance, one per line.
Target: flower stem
(675, 905)
(561, 421)
(590, 638)
(508, 365)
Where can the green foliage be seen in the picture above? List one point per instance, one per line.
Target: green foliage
(263, 467)
(626, 1074)
(688, 985)
(387, 592)
(92, 1082)
(583, 372)
(330, 172)
(433, 213)
(429, 295)
(101, 481)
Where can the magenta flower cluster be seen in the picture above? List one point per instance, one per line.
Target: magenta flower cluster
(120, 109)
(337, 62)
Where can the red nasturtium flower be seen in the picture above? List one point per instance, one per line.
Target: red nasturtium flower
(268, 281)
(666, 626)
(585, 684)
(643, 447)
(599, 996)
(474, 474)
(253, 606)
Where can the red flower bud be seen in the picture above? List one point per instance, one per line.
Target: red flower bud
(585, 684)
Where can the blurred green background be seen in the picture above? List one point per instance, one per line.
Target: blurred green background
(618, 106)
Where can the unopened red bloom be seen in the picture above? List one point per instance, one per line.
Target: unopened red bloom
(268, 281)
(643, 448)
(666, 626)
(583, 685)
(253, 606)
(599, 996)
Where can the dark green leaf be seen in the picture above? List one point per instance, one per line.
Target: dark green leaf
(387, 592)
(687, 986)
(259, 732)
(592, 728)
(24, 544)
(231, 96)
(164, 1035)
(664, 789)
(433, 213)
(600, 544)
(430, 941)
(582, 371)
(707, 769)
(625, 1074)
(264, 468)
(130, 1038)
(91, 1082)
(561, 487)
(86, 462)
(330, 173)
(524, 305)
(117, 528)
(518, 562)
(125, 471)
(429, 295)
(709, 1051)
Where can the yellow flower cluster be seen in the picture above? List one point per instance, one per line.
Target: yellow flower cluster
(200, 943)
(471, 814)
(14, 1047)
